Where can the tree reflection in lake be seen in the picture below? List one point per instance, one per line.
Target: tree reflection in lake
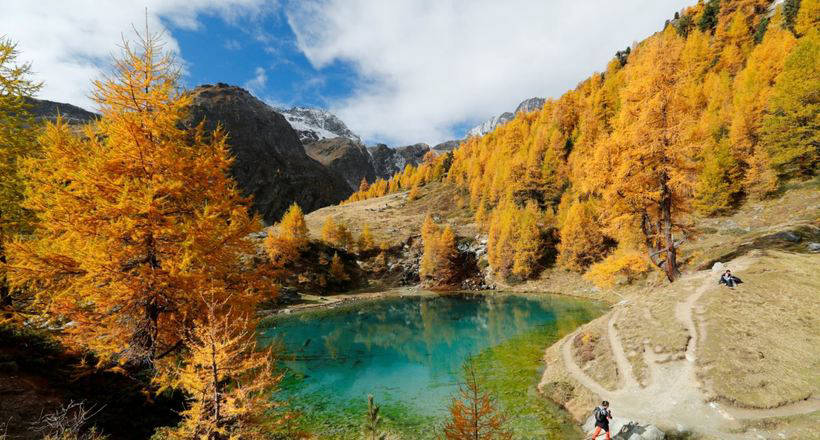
(405, 351)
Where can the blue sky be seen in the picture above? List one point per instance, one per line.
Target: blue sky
(232, 53)
(397, 71)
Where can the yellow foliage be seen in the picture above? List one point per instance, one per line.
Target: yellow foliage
(582, 239)
(622, 266)
(337, 268)
(365, 241)
(137, 216)
(808, 17)
(336, 234)
(18, 133)
(289, 238)
(717, 182)
(791, 129)
(228, 382)
(438, 261)
(432, 168)
(527, 247)
(414, 193)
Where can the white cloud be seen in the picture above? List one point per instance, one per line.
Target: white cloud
(69, 43)
(232, 44)
(427, 65)
(258, 82)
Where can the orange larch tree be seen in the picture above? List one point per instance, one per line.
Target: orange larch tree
(473, 415)
(18, 140)
(136, 216)
(228, 381)
(652, 169)
(289, 238)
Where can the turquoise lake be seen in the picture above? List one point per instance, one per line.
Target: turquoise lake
(408, 353)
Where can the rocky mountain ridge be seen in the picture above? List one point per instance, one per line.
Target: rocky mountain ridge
(489, 125)
(271, 164)
(45, 110)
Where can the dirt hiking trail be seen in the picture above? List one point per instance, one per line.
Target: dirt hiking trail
(673, 393)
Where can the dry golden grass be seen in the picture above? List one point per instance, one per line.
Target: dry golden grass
(591, 348)
(762, 345)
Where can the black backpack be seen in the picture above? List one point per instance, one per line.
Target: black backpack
(601, 414)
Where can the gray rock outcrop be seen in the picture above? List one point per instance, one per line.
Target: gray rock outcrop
(346, 157)
(389, 161)
(526, 106)
(45, 110)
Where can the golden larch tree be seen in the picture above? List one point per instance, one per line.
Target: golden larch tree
(285, 241)
(228, 381)
(337, 268)
(336, 234)
(791, 129)
(582, 239)
(430, 243)
(473, 414)
(18, 140)
(365, 241)
(364, 186)
(528, 243)
(446, 256)
(653, 170)
(136, 216)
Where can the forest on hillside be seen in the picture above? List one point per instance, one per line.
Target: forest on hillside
(127, 240)
(718, 108)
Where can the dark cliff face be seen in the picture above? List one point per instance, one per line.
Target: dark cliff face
(45, 110)
(271, 165)
(345, 157)
(389, 161)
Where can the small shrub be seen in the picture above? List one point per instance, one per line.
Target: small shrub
(628, 264)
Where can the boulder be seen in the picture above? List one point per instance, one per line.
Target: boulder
(789, 236)
(814, 247)
(622, 428)
(718, 267)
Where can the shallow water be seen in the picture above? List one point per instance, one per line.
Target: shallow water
(408, 353)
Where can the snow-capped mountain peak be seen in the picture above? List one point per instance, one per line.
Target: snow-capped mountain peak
(314, 124)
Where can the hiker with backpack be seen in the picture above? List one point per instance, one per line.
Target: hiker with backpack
(729, 280)
(602, 415)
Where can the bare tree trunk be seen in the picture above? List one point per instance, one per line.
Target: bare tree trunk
(215, 379)
(670, 265)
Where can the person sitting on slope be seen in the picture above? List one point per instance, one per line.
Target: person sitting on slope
(729, 280)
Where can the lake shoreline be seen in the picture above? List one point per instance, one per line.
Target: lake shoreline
(319, 302)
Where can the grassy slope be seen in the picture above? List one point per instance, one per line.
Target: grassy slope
(394, 218)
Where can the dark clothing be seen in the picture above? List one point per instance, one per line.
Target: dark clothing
(729, 280)
(602, 416)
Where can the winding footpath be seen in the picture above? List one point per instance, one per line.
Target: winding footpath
(673, 393)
